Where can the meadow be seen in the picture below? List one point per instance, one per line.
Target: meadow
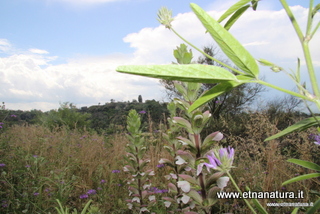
(182, 162)
(39, 165)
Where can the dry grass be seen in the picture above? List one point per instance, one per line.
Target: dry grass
(90, 158)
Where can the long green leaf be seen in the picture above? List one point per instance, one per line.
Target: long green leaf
(84, 211)
(259, 207)
(228, 44)
(233, 8)
(295, 211)
(301, 177)
(314, 208)
(217, 90)
(299, 126)
(305, 164)
(187, 73)
(235, 17)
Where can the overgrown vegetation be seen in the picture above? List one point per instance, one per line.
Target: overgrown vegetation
(159, 163)
(39, 165)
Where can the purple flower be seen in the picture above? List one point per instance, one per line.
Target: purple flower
(92, 192)
(35, 156)
(1, 123)
(36, 193)
(2, 165)
(13, 115)
(160, 165)
(156, 190)
(316, 138)
(27, 166)
(102, 181)
(0, 127)
(116, 171)
(4, 204)
(84, 196)
(220, 160)
(142, 112)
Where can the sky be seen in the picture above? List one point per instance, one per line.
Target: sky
(55, 51)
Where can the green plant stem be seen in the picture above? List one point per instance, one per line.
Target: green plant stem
(312, 75)
(210, 57)
(139, 180)
(304, 40)
(315, 30)
(309, 24)
(283, 90)
(293, 20)
(238, 189)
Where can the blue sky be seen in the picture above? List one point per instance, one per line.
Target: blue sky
(55, 51)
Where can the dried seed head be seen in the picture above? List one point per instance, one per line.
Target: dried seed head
(165, 17)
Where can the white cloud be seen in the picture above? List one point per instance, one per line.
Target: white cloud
(256, 43)
(30, 77)
(4, 45)
(85, 81)
(38, 51)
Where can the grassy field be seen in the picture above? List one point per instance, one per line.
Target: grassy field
(39, 165)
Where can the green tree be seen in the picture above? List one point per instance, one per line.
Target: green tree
(67, 115)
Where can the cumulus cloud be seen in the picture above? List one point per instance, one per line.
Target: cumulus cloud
(32, 76)
(38, 51)
(81, 81)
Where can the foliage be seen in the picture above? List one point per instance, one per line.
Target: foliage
(190, 188)
(247, 67)
(78, 161)
(67, 116)
(229, 103)
(141, 199)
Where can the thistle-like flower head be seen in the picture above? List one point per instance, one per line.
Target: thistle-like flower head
(165, 17)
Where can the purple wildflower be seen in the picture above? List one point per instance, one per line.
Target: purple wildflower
(220, 160)
(84, 196)
(92, 192)
(160, 165)
(102, 181)
(0, 127)
(156, 190)
(2, 165)
(116, 171)
(13, 115)
(142, 112)
(36, 193)
(316, 138)
(27, 166)
(4, 204)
